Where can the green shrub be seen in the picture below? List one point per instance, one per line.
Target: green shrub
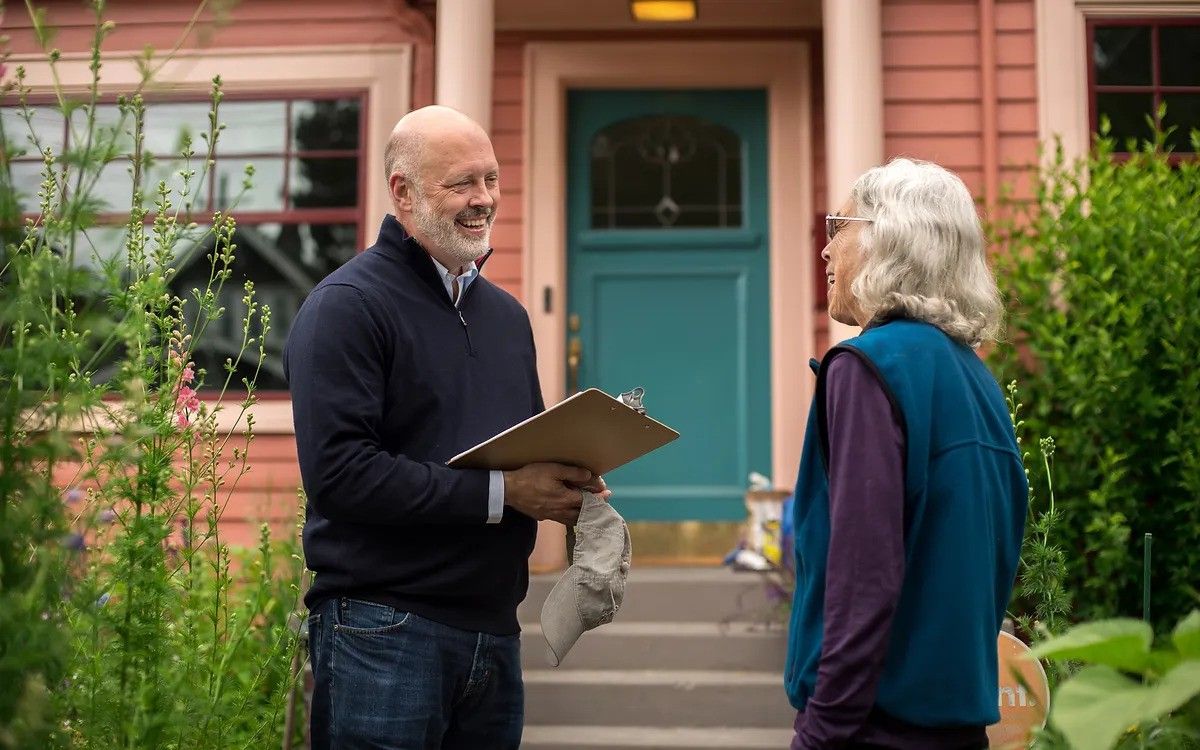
(1102, 277)
(1127, 694)
(125, 621)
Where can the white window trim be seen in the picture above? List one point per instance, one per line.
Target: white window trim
(383, 71)
(1062, 60)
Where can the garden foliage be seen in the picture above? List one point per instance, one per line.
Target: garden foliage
(1102, 277)
(126, 621)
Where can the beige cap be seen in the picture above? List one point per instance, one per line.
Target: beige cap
(591, 591)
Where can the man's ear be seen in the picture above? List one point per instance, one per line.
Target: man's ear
(401, 191)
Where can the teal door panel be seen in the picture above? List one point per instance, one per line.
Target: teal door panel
(668, 280)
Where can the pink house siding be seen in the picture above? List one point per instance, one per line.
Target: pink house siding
(933, 87)
(505, 267)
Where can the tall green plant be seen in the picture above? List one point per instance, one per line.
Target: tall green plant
(1102, 282)
(1040, 601)
(141, 631)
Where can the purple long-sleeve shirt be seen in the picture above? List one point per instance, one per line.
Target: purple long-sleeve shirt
(864, 575)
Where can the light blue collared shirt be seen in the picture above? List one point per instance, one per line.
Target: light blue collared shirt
(470, 272)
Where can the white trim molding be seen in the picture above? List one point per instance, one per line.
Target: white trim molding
(383, 71)
(1062, 60)
(780, 67)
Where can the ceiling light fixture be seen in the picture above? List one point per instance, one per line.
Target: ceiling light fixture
(663, 11)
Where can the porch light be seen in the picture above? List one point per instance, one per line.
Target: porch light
(663, 11)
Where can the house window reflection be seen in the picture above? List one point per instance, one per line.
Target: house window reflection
(298, 220)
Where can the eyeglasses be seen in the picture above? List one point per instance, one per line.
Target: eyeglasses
(831, 227)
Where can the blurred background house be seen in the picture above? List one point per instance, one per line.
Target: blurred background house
(665, 169)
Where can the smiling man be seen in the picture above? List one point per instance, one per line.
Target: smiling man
(399, 360)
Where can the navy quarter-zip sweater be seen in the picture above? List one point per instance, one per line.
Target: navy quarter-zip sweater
(388, 381)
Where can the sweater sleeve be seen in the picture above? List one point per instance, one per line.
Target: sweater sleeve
(865, 568)
(334, 362)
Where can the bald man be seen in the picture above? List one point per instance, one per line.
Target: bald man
(400, 359)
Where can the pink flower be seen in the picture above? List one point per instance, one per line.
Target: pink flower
(187, 399)
(188, 375)
(181, 419)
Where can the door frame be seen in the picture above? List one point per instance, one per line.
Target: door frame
(783, 69)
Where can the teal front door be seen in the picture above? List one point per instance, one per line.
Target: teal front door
(668, 286)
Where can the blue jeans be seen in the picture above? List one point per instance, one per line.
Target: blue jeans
(389, 680)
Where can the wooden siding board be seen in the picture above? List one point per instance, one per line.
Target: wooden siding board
(930, 17)
(930, 50)
(950, 118)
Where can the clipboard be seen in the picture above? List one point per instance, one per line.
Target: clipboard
(591, 430)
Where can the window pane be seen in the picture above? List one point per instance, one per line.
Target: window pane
(1183, 112)
(27, 179)
(114, 187)
(1128, 113)
(1122, 55)
(324, 183)
(325, 125)
(253, 128)
(166, 122)
(666, 172)
(169, 170)
(266, 193)
(47, 123)
(109, 126)
(1179, 55)
(284, 261)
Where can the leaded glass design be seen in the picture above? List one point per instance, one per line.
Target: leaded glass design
(666, 172)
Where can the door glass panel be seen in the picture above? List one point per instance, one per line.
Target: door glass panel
(666, 172)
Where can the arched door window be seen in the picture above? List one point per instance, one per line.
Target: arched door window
(666, 172)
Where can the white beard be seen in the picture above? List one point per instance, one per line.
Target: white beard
(445, 237)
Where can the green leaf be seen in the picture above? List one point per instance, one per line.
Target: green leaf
(1121, 643)
(1096, 706)
(1176, 688)
(1187, 636)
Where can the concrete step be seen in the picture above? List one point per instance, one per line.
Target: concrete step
(665, 645)
(656, 698)
(614, 738)
(677, 595)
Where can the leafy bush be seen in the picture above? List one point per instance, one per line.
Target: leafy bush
(1102, 706)
(125, 620)
(1102, 277)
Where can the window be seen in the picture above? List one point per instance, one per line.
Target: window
(1139, 65)
(666, 172)
(299, 221)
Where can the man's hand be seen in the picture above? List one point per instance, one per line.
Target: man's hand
(551, 492)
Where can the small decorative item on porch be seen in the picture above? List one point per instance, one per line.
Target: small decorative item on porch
(1024, 695)
(762, 546)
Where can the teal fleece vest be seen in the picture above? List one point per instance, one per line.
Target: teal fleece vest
(964, 515)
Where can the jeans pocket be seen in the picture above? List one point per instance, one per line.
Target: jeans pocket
(355, 617)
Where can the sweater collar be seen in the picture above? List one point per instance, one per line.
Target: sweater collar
(396, 239)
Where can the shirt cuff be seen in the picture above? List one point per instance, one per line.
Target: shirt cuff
(495, 496)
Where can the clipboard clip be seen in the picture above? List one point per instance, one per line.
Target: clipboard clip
(633, 399)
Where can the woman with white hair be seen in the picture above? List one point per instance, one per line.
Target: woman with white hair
(910, 503)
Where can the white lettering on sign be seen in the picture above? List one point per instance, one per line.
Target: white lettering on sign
(1016, 697)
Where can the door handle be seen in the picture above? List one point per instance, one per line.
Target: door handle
(574, 360)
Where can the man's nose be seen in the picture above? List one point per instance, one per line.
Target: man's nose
(825, 254)
(481, 197)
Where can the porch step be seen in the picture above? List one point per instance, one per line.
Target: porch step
(665, 645)
(614, 738)
(657, 698)
(676, 595)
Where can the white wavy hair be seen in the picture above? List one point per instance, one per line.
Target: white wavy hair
(923, 251)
